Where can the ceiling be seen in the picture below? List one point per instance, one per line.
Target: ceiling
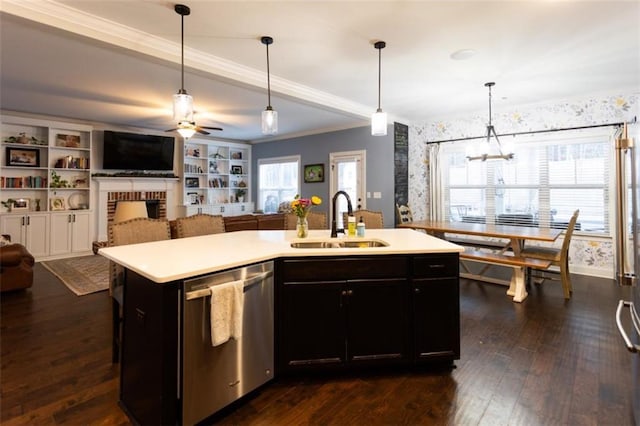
(118, 62)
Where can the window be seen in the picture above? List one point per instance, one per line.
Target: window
(551, 176)
(278, 182)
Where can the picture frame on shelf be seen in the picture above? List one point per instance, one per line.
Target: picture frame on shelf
(57, 204)
(236, 170)
(313, 173)
(23, 157)
(68, 141)
(193, 198)
(20, 204)
(236, 155)
(191, 182)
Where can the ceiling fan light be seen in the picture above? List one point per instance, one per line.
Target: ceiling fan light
(269, 121)
(379, 123)
(186, 132)
(182, 107)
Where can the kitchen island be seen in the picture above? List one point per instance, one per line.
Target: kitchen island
(393, 302)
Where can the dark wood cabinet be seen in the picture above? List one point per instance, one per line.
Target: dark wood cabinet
(436, 308)
(312, 321)
(337, 312)
(377, 320)
(358, 317)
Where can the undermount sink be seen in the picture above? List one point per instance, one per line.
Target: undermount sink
(339, 244)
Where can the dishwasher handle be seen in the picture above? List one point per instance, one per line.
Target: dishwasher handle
(248, 282)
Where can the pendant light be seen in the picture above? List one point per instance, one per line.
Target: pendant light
(484, 155)
(379, 118)
(269, 115)
(183, 102)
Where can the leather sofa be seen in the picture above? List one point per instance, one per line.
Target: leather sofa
(16, 267)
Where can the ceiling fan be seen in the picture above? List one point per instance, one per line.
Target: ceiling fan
(190, 126)
(183, 102)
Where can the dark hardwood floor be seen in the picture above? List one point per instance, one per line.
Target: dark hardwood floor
(545, 361)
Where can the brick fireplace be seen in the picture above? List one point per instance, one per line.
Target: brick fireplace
(156, 202)
(159, 191)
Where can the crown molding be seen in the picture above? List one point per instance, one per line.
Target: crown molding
(63, 17)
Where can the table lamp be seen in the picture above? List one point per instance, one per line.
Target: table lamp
(126, 210)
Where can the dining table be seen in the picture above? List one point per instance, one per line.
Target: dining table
(503, 239)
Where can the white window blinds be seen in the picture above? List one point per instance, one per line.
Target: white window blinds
(551, 176)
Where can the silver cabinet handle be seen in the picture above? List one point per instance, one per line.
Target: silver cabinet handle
(623, 303)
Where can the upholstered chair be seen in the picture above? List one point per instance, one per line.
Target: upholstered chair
(316, 220)
(371, 219)
(133, 231)
(199, 224)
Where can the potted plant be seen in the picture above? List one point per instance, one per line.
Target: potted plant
(8, 204)
(240, 193)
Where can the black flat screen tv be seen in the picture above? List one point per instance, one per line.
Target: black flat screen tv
(131, 151)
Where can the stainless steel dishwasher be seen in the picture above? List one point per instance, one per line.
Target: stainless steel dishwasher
(213, 377)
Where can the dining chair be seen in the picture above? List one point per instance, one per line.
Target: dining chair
(199, 224)
(316, 220)
(371, 219)
(403, 214)
(558, 256)
(133, 231)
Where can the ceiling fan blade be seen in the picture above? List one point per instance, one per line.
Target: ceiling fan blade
(171, 130)
(202, 132)
(211, 128)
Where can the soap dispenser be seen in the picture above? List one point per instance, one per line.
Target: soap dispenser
(360, 228)
(351, 228)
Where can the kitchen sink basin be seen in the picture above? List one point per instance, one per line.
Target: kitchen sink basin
(339, 244)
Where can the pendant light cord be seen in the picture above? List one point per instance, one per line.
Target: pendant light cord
(379, 75)
(379, 45)
(182, 55)
(268, 79)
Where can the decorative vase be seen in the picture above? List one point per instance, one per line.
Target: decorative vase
(302, 227)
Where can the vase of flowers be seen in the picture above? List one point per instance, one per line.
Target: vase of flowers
(301, 208)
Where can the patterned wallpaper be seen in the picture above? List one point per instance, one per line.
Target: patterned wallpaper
(592, 257)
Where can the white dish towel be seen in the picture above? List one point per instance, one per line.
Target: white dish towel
(227, 301)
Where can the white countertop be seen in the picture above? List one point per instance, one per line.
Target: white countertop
(169, 260)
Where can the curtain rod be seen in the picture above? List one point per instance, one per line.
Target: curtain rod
(531, 132)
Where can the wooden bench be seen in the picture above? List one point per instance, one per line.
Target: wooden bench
(478, 243)
(503, 259)
(517, 287)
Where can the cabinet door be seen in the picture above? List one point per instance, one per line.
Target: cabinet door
(312, 324)
(60, 233)
(436, 310)
(80, 235)
(377, 321)
(37, 235)
(14, 225)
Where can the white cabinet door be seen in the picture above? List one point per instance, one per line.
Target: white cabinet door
(32, 231)
(37, 234)
(240, 208)
(14, 226)
(60, 233)
(70, 233)
(80, 235)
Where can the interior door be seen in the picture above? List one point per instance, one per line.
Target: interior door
(348, 174)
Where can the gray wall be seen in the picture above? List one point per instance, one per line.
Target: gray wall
(315, 149)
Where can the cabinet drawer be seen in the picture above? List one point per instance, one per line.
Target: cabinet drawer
(436, 265)
(332, 269)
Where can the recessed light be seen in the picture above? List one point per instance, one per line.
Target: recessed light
(462, 54)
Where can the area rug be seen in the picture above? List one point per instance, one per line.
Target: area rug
(83, 275)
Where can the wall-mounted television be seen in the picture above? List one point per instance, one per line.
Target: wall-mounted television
(131, 151)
